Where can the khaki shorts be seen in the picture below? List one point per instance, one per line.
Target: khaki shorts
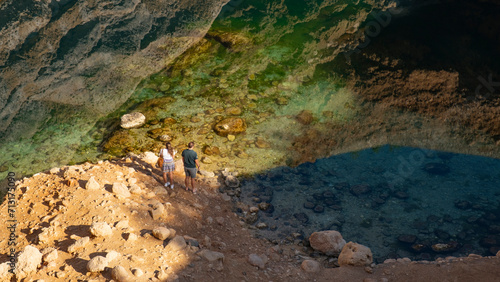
(191, 172)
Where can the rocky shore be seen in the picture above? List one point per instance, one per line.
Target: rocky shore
(115, 220)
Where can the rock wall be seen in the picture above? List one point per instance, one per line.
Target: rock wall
(87, 55)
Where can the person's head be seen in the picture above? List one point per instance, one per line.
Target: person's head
(191, 145)
(169, 148)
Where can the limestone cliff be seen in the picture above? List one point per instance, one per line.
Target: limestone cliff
(87, 55)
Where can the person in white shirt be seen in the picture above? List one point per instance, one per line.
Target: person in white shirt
(168, 155)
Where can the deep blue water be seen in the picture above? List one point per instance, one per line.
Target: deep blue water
(399, 201)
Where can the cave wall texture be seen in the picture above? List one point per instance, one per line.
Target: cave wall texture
(87, 55)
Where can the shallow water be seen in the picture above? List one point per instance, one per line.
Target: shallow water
(376, 195)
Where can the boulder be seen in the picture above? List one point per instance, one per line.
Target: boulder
(329, 242)
(157, 211)
(132, 120)
(310, 266)
(28, 262)
(231, 126)
(232, 181)
(100, 229)
(355, 254)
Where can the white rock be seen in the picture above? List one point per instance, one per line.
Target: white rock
(256, 260)
(329, 242)
(132, 120)
(80, 243)
(122, 224)
(310, 266)
(100, 229)
(112, 255)
(131, 237)
(92, 184)
(4, 271)
(97, 264)
(120, 189)
(355, 254)
(157, 211)
(28, 261)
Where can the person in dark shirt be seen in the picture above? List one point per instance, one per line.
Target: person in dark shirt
(190, 160)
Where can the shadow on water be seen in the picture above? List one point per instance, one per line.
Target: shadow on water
(399, 201)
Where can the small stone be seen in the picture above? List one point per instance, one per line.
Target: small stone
(176, 244)
(135, 189)
(230, 126)
(407, 239)
(120, 274)
(120, 190)
(355, 254)
(97, 264)
(157, 211)
(231, 137)
(100, 229)
(80, 243)
(112, 255)
(329, 242)
(233, 111)
(256, 260)
(28, 261)
(92, 184)
(310, 266)
(261, 143)
(161, 233)
(122, 224)
(282, 101)
(211, 256)
(137, 272)
(305, 117)
(206, 160)
(261, 225)
(49, 255)
(131, 237)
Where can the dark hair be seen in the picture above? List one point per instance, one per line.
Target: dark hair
(170, 149)
(191, 144)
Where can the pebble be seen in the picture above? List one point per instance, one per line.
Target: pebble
(161, 233)
(120, 274)
(92, 184)
(310, 266)
(256, 260)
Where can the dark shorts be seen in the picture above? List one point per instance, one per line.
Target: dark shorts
(168, 167)
(191, 172)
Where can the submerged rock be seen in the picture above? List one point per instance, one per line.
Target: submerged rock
(132, 120)
(436, 168)
(230, 126)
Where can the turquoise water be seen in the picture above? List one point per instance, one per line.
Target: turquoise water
(385, 197)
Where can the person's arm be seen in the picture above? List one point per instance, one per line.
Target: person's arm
(197, 163)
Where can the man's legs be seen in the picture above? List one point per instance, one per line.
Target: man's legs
(192, 185)
(186, 181)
